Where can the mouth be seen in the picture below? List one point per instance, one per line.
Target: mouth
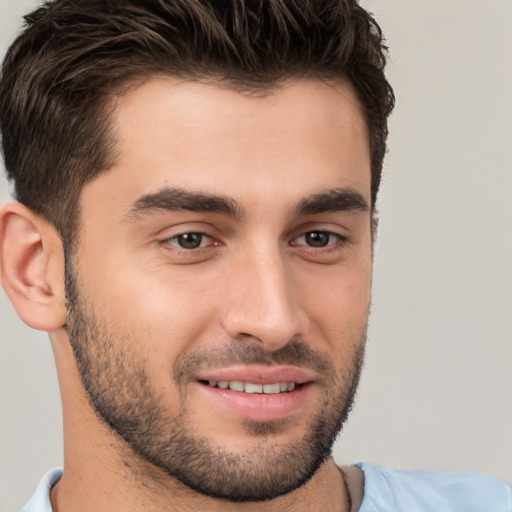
(252, 387)
(257, 392)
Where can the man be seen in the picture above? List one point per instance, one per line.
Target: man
(196, 187)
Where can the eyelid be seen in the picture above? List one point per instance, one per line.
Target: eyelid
(205, 240)
(167, 236)
(178, 255)
(338, 237)
(173, 240)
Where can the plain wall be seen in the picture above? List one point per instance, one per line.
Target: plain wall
(437, 388)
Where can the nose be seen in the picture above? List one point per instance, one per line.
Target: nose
(262, 303)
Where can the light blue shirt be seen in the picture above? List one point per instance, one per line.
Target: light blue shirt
(387, 490)
(40, 501)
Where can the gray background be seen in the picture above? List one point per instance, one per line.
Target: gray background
(437, 388)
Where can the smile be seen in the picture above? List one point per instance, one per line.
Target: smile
(251, 387)
(257, 401)
(258, 392)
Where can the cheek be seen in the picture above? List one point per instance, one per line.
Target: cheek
(161, 313)
(338, 305)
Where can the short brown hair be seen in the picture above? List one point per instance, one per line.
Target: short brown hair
(59, 75)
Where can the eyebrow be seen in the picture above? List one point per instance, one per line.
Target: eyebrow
(174, 199)
(336, 200)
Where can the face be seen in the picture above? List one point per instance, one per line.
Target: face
(220, 287)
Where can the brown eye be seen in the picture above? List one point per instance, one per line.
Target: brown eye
(317, 238)
(190, 240)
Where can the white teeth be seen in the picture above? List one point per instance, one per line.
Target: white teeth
(250, 387)
(253, 388)
(271, 389)
(236, 385)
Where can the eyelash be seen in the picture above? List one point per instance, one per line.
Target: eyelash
(334, 240)
(176, 238)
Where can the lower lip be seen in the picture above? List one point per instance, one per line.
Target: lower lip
(260, 406)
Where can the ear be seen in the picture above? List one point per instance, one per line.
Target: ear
(32, 267)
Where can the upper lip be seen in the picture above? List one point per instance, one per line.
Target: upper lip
(258, 374)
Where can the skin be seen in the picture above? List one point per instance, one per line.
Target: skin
(267, 154)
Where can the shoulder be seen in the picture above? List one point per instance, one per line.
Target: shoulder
(40, 501)
(432, 491)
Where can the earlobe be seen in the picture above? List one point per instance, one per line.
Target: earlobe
(32, 267)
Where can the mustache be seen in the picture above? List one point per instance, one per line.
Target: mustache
(294, 353)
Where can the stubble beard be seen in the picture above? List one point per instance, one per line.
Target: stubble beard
(118, 384)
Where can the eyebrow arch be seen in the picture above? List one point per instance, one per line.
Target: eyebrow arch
(175, 199)
(335, 200)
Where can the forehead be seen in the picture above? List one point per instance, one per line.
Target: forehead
(200, 136)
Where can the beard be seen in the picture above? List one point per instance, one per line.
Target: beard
(117, 378)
